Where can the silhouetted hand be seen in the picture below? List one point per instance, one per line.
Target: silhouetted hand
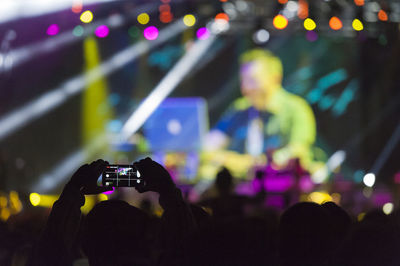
(85, 178)
(155, 176)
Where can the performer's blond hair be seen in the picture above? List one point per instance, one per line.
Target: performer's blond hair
(270, 62)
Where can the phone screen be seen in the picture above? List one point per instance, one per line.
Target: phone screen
(121, 176)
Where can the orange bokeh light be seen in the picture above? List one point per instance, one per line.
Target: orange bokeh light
(165, 1)
(164, 8)
(223, 0)
(335, 23)
(282, 1)
(77, 6)
(166, 17)
(222, 16)
(359, 2)
(302, 12)
(382, 15)
(280, 22)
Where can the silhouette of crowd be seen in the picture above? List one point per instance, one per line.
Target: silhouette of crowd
(225, 229)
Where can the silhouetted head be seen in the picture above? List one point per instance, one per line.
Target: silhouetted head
(116, 233)
(305, 235)
(224, 181)
(239, 241)
(341, 220)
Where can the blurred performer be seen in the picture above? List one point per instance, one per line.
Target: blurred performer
(267, 116)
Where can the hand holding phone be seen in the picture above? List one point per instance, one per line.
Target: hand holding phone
(155, 175)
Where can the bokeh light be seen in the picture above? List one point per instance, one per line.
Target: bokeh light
(102, 31)
(335, 23)
(164, 8)
(309, 24)
(319, 197)
(280, 22)
(34, 199)
(53, 29)
(86, 17)
(282, 1)
(143, 18)
(388, 208)
(382, 15)
(189, 20)
(133, 32)
(203, 33)
(369, 180)
(102, 196)
(150, 33)
(166, 17)
(222, 16)
(77, 6)
(359, 2)
(302, 11)
(78, 31)
(311, 36)
(357, 25)
(261, 36)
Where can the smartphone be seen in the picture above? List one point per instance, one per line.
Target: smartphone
(116, 175)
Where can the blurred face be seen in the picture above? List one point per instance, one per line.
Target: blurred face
(257, 84)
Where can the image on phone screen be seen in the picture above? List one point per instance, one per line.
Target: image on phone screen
(121, 176)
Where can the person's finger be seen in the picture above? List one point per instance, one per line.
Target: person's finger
(98, 167)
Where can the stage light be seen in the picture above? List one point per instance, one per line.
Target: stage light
(382, 15)
(222, 16)
(166, 17)
(78, 31)
(302, 12)
(369, 180)
(34, 199)
(357, 25)
(46, 102)
(189, 20)
(280, 22)
(143, 18)
(309, 24)
(150, 33)
(102, 197)
(359, 2)
(203, 33)
(87, 16)
(53, 29)
(164, 8)
(102, 31)
(95, 97)
(134, 32)
(18, 9)
(261, 36)
(311, 36)
(3, 202)
(335, 23)
(388, 208)
(4, 214)
(180, 70)
(282, 1)
(77, 6)
(319, 197)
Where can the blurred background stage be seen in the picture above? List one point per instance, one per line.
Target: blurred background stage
(121, 80)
